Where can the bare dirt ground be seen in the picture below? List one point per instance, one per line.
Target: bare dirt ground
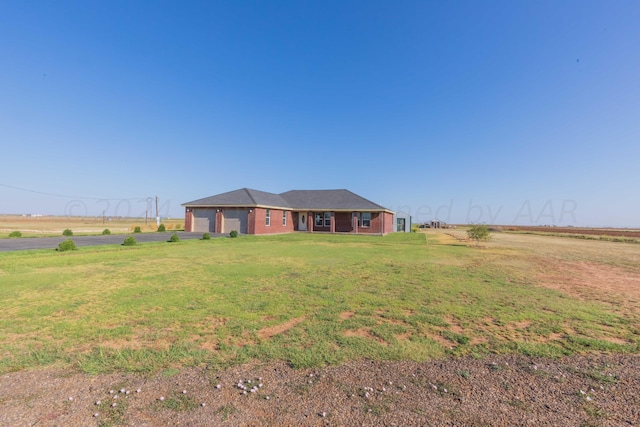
(497, 391)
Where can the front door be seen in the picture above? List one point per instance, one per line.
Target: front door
(302, 221)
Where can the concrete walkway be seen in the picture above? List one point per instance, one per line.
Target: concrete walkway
(25, 243)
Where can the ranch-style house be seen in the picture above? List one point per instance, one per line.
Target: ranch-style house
(258, 212)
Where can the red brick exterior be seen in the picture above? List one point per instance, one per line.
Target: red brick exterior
(257, 223)
(341, 222)
(218, 221)
(188, 220)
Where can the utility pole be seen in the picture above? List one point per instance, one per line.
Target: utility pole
(157, 216)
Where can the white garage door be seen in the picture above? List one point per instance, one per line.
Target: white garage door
(204, 220)
(235, 219)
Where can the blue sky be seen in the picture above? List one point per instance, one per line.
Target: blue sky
(496, 111)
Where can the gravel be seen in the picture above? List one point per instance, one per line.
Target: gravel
(599, 390)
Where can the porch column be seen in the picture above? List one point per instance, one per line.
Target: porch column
(310, 221)
(332, 227)
(188, 220)
(354, 219)
(218, 220)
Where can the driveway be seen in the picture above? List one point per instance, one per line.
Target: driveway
(112, 239)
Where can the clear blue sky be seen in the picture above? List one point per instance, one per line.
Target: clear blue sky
(482, 111)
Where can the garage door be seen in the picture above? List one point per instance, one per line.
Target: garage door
(235, 219)
(204, 220)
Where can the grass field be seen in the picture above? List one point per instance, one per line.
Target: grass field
(316, 299)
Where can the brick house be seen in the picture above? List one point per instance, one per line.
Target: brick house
(259, 212)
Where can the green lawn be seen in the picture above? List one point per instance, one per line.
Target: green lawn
(308, 299)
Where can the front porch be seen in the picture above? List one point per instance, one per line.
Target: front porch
(343, 222)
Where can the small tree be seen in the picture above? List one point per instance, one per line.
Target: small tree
(137, 229)
(478, 232)
(174, 238)
(67, 232)
(106, 232)
(162, 228)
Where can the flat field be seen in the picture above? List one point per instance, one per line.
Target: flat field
(55, 225)
(304, 303)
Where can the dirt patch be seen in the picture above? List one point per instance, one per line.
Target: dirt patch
(495, 391)
(345, 315)
(440, 340)
(403, 337)
(591, 281)
(279, 329)
(454, 326)
(209, 345)
(364, 333)
(524, 324)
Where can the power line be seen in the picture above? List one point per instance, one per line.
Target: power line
(26, 190)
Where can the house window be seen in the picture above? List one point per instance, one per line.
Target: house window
(366, 219)
(323, 219)
(284, 218)
(268, 217)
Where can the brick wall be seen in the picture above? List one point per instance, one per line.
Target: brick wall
(343, 222)
(259, 215)
(188, 220)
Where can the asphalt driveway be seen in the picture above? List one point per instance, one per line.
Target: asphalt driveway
(112, 239)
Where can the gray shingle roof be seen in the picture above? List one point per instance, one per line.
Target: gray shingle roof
(294, 199)
(329, 200)
(241, 198)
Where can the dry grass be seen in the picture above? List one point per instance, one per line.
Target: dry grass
(54, 225)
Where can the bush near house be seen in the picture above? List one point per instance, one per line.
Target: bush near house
(206, 236)
(174, 238)
(233, 233)
(129, 241)
(67, 245)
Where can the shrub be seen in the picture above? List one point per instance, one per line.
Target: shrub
(233, 233)
(129, 241)
(161, 228)
(137, 229)
(67, 232)
(478, 232)
(106, 231)
(15, 234)
(206, 236)
(67, 245)
(178, 226)
(174, 238)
